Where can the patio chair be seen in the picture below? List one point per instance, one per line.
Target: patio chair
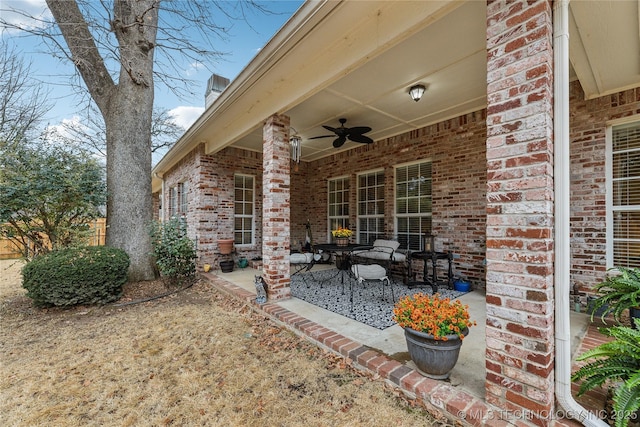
(384, 252)
(302, 262)
(368, 272)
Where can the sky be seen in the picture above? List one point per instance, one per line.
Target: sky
(243, 41)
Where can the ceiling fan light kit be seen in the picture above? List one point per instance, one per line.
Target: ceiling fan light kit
(416, 92)
(355, 134)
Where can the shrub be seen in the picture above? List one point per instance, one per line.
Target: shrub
(67, 277)
(175, 253)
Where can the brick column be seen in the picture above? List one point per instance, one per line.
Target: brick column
(520, 323)
(276, 220)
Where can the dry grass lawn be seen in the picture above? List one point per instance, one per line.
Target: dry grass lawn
(194, 358)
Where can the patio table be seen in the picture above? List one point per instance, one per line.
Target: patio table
(430, 259)
(342, 256)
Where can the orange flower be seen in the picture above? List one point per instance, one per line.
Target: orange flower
(432, 315)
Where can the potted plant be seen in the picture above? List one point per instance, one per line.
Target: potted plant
(616, 363)
(434, 328)
(618, 293)
(342, 235)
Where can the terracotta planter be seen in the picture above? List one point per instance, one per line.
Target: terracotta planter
(434, 358)
(225, 246)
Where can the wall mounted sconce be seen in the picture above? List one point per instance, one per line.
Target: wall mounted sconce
(416, 92)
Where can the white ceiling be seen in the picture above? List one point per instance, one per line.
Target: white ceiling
(376, 93)
(357, 60)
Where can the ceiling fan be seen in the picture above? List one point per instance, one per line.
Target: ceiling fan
(355, 134)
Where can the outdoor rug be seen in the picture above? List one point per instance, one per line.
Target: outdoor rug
(324, 289)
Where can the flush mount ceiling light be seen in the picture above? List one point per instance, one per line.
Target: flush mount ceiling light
(416, 92)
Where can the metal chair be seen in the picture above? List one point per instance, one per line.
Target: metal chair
(302, 262)
(368, 272)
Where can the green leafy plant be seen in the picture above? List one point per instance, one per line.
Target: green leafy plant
(614, 362)
(49, 195)
(67, 277)
(618, 293)
(174, 252)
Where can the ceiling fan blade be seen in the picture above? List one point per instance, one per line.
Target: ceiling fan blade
(321, 136)
(361, 138)
(359, 129)
(339, 142)
(330, 129)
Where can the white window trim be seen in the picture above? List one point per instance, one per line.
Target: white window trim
(329, 217)
(253, 210)
(395, 191)
(609, 184)
(358, 216)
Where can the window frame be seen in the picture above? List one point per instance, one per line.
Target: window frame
(379, 232)
(611, 209)
(251, 216)
(340, 220)
(405, 243)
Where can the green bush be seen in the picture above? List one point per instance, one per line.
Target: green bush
(175, 253)
(67, 277)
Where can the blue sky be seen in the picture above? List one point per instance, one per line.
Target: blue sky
(243, 42)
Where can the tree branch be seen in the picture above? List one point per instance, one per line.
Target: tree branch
(84, 52)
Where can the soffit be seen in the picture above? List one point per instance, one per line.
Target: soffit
(357, 60)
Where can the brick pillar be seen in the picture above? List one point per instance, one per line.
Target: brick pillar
(276, 220)
(207, 211)
(520, 301)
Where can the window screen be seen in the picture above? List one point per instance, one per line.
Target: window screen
(413, 204)
(243, 218)
(625, 168)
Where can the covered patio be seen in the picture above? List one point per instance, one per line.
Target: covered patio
(504, 159)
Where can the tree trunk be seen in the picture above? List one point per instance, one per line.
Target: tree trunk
(129, 202)
(127, 108)
(128, 126)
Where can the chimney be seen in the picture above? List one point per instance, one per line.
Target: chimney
(215, 86)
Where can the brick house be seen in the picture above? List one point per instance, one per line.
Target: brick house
(521, 159)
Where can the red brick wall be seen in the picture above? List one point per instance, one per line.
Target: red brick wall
(456, 148)
(457, 151)
(588, 182)
(520, 300)
(210, 200)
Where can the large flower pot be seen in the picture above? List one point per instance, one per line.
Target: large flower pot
(226, 266)
(225, 246)
(433, 358)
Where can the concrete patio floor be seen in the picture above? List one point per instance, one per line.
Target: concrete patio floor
(469, 372)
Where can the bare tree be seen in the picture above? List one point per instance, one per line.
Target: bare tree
(21, 99)
(120, 48)
(89, 131)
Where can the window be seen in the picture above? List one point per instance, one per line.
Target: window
(370, 206)
(173, 202)
(413, 203)
(338, 203)
(178, 200)
(244, 209)
(183, 198)
(625, 196)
